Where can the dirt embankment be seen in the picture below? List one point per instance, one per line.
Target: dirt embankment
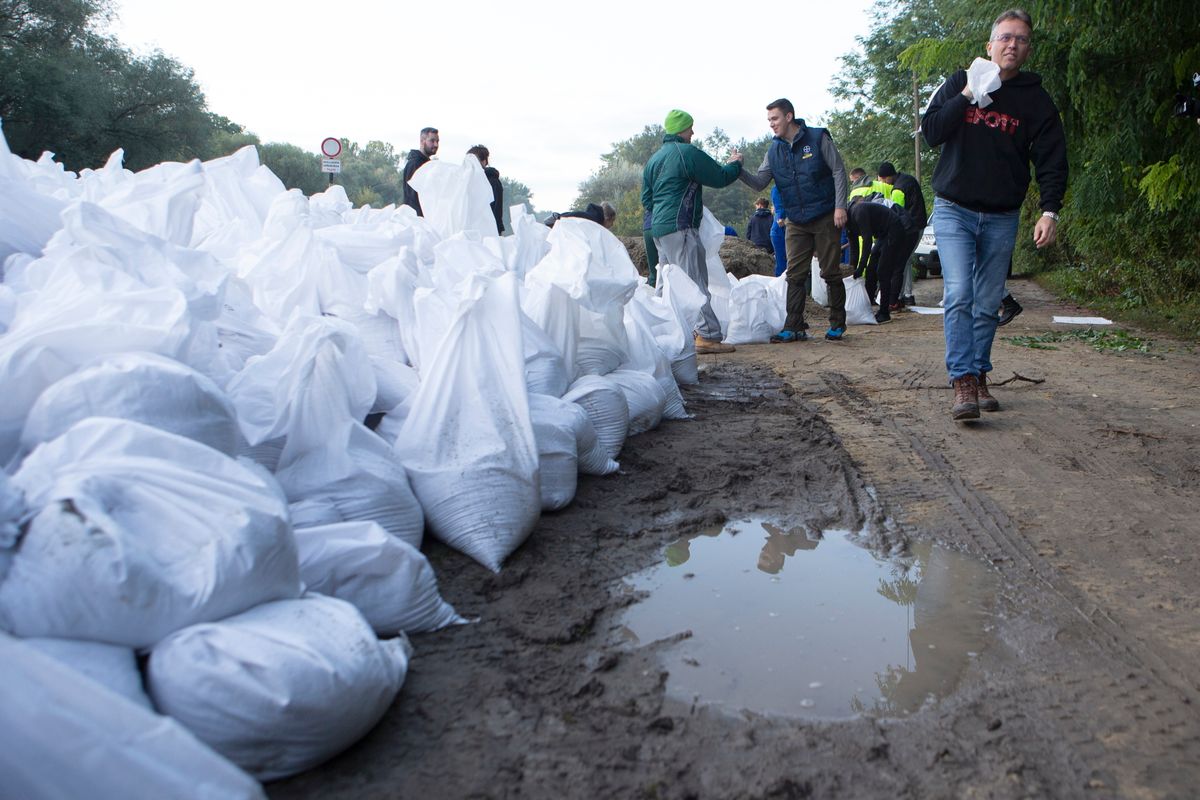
(1082, 496)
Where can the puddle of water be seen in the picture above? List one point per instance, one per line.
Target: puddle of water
(785, 625)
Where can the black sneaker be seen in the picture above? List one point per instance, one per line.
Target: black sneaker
(908, 300)
(882, 317)
(1009, 308)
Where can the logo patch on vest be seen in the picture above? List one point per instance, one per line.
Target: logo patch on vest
(807, 150)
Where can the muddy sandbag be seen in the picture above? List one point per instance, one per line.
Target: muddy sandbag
(109, 665)
(138, 533)
(645, 398)
(142, 387)
(605, 403)
(468, 443)
(558, 460)
(591, 456)
(387, 579)
(63, 735)
(280, 688)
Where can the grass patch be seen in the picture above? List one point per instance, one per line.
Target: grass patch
(1179, 319)
(1114, 340)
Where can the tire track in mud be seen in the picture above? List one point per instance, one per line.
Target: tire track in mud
(1143, 687)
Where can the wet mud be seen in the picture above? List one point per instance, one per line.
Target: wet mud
(1046, 555)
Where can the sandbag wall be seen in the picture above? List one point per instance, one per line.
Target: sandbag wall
(209, 561)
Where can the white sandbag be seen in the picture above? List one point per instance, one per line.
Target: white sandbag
(109, 665)
(558, 459)
(645, 356)
(712, 236)
(351, 476)
(820, 290)
(65, 736)
(390, 289)
(751, 320)
(8, 304)
(284, 268)
(142, 387)
(138, 533)
(591, 455)
(455, 197)
(12, 512)
(385, 578)
(268, 390)
(605, 403)
(557, 314)
(531, 245)
(545, 370)
(588, 263)
(595, 356)
(282, 687)
(686, 300)
(467, 443)
(644, 396)
(858, 305)
(161, 200)
(55, 332)
(395, 383)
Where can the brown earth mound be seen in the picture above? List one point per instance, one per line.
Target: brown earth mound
(739, 256)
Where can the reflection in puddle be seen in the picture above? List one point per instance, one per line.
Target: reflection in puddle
(786, 625)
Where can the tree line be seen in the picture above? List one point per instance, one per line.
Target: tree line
(68, 88)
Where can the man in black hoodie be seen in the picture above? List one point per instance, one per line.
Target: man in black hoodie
(979, 185)
(416, 160)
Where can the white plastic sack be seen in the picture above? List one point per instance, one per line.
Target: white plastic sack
(645, 356)
(282, 687)
(644, 396)
(138, 533)
(557, 314)
(545, 369)
(558, 458)
(858, 305)
(468, 443)
(751, 318)
(588, 263)
(385, 578)
(455, 197)
(109, 665)
(605, 403)
(591, 455)
(820, 290)
(63, 735)
(142, 387)
(686, 300)
(712, 236)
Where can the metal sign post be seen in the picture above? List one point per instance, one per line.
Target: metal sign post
(331, 148)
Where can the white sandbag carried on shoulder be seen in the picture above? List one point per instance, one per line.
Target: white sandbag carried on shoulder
(858, 304)
(282, 687)
(109, 665)
(645, 398)
(138, 533)
(63, 735)
(385, 578)
(468, 443)
(142, 387)
(605, 403)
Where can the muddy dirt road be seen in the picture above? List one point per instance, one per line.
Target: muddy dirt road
(1078, 504)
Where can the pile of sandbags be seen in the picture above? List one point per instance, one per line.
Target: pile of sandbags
(231, 411)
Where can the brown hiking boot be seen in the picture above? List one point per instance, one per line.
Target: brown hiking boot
(986, 401)
(966, 398)
(710, 346)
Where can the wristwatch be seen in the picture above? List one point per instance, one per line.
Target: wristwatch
(1051, 214)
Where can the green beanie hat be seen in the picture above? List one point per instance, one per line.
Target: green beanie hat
(677, 121)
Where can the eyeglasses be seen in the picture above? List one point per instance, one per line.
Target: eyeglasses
(1006, 38)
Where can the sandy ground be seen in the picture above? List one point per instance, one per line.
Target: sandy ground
(1082, 495)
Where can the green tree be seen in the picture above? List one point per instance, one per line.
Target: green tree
(296, 167)
(515, 193)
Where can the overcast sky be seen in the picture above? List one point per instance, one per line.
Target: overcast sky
(548, 87)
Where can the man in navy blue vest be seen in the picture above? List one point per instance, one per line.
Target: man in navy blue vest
(808, 171)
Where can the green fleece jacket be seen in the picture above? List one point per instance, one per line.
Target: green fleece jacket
(671, 182)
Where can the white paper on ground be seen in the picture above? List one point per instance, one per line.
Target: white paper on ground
(1083, 320)
(934, 310)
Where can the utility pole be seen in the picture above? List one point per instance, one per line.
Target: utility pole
(916, 130)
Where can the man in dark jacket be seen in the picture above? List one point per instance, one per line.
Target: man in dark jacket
(673, 199)
(493, 176)
(979, 185)
(758, 230)
(906, 193)
(877, 233)
(416, 160)
(811, 178)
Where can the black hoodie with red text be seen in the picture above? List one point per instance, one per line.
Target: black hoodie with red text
(984, 165)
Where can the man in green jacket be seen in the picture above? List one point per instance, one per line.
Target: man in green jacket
(673, 200)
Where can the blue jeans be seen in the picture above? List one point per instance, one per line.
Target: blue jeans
(975, 248)
(777, 242)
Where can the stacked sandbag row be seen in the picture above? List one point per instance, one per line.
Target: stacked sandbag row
(192, 495)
